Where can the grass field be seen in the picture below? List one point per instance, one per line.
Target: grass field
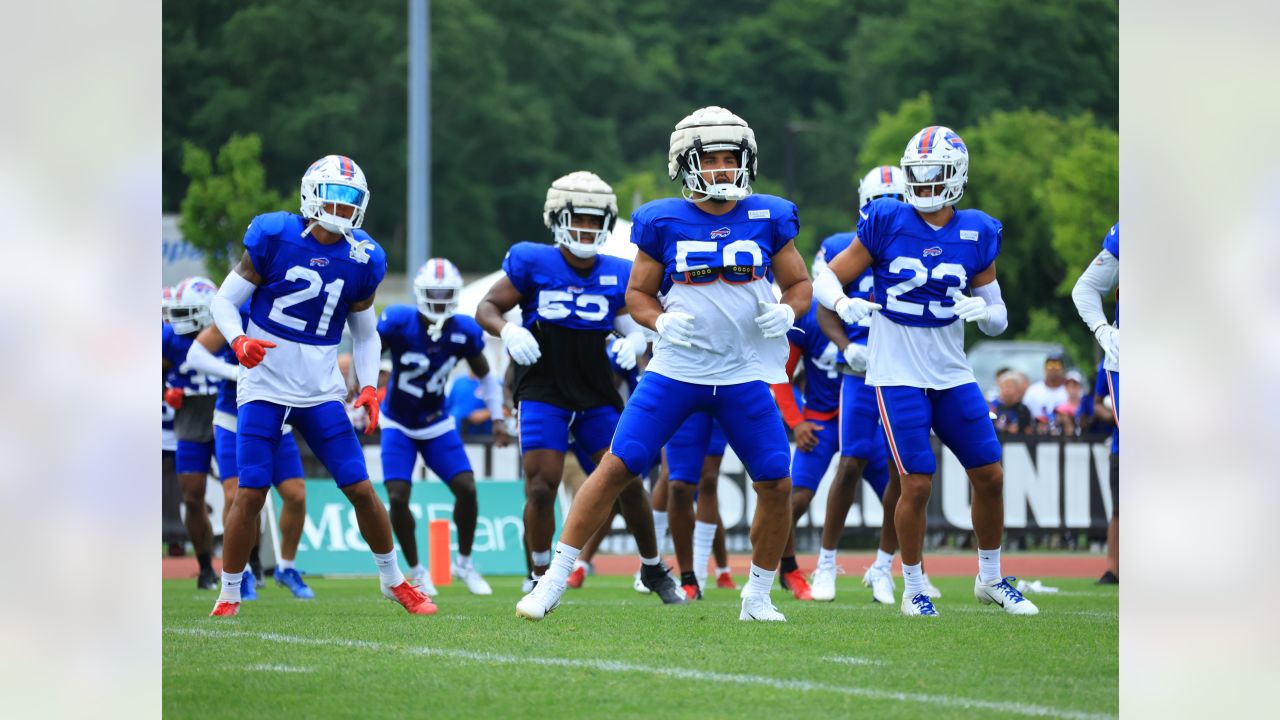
(608, 651)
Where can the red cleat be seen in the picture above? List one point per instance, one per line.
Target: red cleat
(225, 609)
(411, 598)
(576, 577)
(692, 592)
(724, 581)
(795, 582)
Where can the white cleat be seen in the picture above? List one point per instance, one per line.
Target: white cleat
(918, 604)
(881, 584)
(929, 589)
(472, 579)
(423, 582)
(1003, 593)
(526, 587)
(539, 603)
(822, 582)
(760, 608)
(639, 585)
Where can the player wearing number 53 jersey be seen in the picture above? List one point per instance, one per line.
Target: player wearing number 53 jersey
(307, 275)
(935, 268)
(722, 340)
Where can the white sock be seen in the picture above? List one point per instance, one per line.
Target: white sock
(285, 565)
(542, 557)
(579, 564)
(884, 560)
(912, 580)
(721, 571)
(826, 558)
(417, 570)
(231, 586)
(650, 561)
(462, 561)
(759, 581)
(561, 565)
(703, 535)
(388, 568)
(660, 525)
(989, 565)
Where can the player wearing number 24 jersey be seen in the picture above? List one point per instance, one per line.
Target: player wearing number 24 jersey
(935, 268)
(308, 275)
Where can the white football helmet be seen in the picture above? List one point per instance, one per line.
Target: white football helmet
(166, 297)
(707, 130)
(935, 158)
(886, 180)
(334, 180)
(437, 287)
(580, 193)
(189, 307)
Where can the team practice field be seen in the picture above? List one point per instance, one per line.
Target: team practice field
(609, 651)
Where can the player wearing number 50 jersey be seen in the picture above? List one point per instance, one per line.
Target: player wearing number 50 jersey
(722, 340)
(935, 269)
(307, 275)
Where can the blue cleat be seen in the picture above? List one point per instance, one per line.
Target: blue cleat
(292, 579)
(248, 586)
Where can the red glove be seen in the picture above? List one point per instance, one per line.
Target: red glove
(249, 351)
(369, 399)
(173, 397)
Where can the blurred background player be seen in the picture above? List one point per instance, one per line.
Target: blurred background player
(191, 394)
(722, 341)
(571, 299)
(693, 456)
(862, 450)
(308, 275)
(211, 355)
(175, 535)
(925, 254)
(1096, 282)
(425, 343)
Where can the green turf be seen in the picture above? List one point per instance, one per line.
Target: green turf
(608, 651)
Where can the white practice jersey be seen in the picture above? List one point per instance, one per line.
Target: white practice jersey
(728, 347)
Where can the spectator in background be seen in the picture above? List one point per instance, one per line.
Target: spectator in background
(1010, 414)
(1043, 397)
(1086, 420)
(1066, 411)
(468, 408)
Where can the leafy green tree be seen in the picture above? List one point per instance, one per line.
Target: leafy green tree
(1081, 199)
(220, 204)
(884, 143)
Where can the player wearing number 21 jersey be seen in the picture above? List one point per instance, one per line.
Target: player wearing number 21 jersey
(308, 275)
(935, 268)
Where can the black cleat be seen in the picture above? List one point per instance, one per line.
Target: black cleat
(1109, 578)
(208, 580)
(658, 580)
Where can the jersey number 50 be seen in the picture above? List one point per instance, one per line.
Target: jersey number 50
(554, 305)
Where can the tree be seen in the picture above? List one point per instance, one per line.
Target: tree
(219, 206)
(1081, 199)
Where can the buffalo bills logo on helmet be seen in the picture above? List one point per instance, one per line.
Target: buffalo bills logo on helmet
(954, 141)
(319, 262)
(934, 251)
(720, 233)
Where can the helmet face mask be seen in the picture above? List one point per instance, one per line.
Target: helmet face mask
(709, 130)
(573, 203)
(188, 310)
(936, 168)
(696, 181)
(437, 288)
(335, 194)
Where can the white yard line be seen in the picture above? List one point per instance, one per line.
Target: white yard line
(844, 660)
(686, 674)
(282, 668)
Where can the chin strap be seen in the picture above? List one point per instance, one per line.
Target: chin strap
(436, 329)
(359, 248)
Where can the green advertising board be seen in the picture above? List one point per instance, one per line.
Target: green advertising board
(332, 545)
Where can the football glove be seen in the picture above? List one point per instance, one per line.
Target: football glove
(675, 327)
(521, 344)
(775, 319)
(971, 309)
(853, 310)
(369, 401)
(855, 356)
(250, 351)
(1109, 338)
(628, 349)
(173, 397)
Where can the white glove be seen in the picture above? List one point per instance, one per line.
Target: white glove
(971, 309)
(628, 349)
(853, 310)
(775, 319)
(521, 343)
(828, 356)
(1109, 338)
(855, 356)
(675, 327)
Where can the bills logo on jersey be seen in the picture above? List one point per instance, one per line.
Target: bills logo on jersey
(319, 262)
(934, 251)
(720, 233)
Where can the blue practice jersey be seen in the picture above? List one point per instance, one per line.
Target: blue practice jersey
(1111, 243)
(862, 286)
(554, 292)
(718, 269)
(307, 287)
(822, 380)
(174, 347)
(420, 366)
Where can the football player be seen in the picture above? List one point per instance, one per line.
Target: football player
(722, 340)
(571, 299)
(693, 455)
(211, 355)
(308, 275)
(1097, 281)
(426, 343)
(192, 395)
(934, 269)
